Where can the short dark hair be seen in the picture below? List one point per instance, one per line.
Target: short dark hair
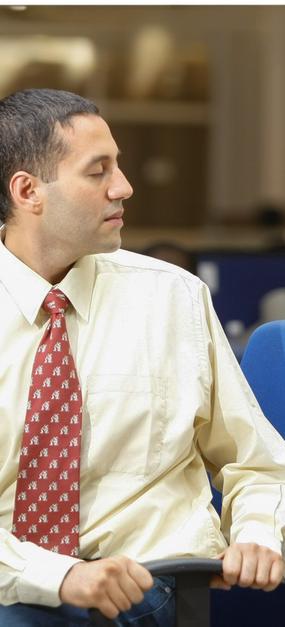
(28, 138)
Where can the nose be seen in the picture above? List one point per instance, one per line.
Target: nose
(120, 187)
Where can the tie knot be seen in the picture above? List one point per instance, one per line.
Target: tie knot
(55, 302)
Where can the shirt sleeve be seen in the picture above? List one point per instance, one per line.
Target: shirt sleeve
(29, 573)
(244, 454)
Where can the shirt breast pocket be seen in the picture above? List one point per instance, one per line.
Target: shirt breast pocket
(128, 422)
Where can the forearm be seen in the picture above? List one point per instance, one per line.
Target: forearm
(258, 515)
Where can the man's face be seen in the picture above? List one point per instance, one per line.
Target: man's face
(83, 206)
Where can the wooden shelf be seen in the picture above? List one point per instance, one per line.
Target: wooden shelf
(156, 112)
(212, 238)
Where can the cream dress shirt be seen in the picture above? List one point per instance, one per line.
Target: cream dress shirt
(163, 396)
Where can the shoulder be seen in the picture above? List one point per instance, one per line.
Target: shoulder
(135, 261)
(123, 261)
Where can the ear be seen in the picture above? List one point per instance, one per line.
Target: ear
(25, 190)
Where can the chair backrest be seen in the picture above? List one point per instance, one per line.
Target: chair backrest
(263, 364)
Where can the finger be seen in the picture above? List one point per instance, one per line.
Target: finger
(263, 570)
(232, 564)
(107, 607)
(120, 597)
(140, 575)
(130, 588)
(218, 583)
(248, 569)
(276, 575)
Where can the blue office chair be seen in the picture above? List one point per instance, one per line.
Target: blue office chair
(263, 364)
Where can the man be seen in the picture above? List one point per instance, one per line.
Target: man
(156, 387)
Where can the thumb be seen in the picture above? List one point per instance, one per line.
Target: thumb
(217, 582)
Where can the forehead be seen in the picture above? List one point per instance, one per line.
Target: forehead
(86, 136)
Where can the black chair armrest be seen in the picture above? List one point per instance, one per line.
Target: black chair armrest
(182, 565)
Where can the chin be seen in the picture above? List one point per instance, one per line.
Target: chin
(109, 247)
(114, 247)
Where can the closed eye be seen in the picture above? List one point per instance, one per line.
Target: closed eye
(107, 167)
(98, 173)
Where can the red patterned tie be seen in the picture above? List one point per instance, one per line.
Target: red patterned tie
(47, 494)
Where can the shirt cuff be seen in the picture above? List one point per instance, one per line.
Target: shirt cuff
(256, 532)
(40, 580)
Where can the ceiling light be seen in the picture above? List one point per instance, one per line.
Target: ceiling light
(18, 7)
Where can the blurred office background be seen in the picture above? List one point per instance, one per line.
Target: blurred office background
(195, 96)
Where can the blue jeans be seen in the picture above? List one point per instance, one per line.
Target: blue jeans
(156, 610)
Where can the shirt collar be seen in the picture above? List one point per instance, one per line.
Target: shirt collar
(28, 289)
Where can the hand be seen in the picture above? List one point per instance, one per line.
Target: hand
(112, 585)
(250, 565)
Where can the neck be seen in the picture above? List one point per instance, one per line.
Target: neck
(37, 254)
